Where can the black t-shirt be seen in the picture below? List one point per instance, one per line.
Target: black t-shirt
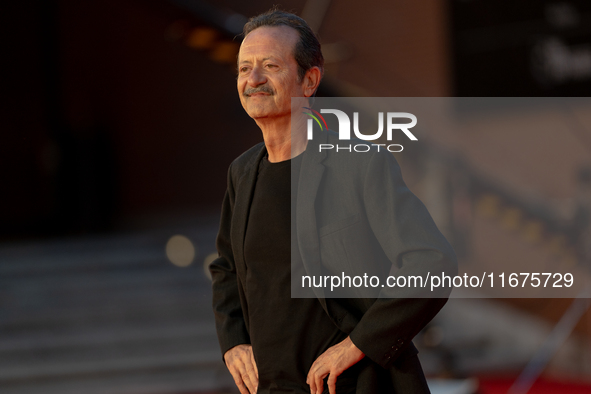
(287, 335)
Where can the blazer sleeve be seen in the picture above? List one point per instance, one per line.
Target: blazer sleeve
(229, 318)
(409, 237)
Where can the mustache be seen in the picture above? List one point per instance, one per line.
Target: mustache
(259, 89)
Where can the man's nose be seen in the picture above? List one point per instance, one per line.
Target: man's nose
(257, 77)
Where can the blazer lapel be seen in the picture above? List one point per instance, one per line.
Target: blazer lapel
(244, 195)
(311, 174)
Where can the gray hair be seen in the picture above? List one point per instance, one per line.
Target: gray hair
(307, 52)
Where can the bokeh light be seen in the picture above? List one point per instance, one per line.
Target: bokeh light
(180, 251)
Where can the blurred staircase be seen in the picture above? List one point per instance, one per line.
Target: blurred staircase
(108, 315)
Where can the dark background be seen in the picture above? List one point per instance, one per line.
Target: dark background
(119, 119)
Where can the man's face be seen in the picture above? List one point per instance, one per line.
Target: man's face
(268, 72)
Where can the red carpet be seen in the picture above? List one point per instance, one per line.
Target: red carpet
(542, 386)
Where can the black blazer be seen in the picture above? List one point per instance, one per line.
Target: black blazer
(377, 210)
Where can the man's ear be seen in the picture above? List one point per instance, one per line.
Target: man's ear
(311, 81)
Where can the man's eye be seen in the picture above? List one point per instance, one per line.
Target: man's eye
(271, 65)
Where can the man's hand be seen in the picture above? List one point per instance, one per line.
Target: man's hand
(240, 362)
(334, 361)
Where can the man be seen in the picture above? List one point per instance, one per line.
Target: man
(271, 342)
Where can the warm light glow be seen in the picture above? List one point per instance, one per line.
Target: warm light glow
(202, 38)
(225, 52)
(533, 231)
(180, 251)
(511, 218)
(488, 206)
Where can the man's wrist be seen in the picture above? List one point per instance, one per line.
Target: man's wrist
(353, 348)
